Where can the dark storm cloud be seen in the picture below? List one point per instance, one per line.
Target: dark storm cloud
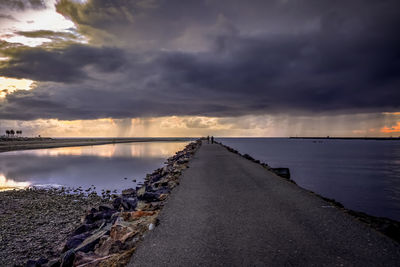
(7, 17)
(216, 59)
(60, 65)
(147, 21)
(22, 4)
(47, 34)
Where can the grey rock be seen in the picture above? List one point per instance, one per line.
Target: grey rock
(68, 258)
(54, 263)
(83, 229)
(75, 241)
(129, 192)
(89, 243)
(150, 197)
(117, 203)
(105, 207)
(129, 204)
(31, 263)
(282, 172)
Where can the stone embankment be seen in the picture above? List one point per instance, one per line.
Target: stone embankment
(109, 234)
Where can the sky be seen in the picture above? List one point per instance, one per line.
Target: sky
(161, 68)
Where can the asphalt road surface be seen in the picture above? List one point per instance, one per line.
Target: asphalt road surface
(229, 211)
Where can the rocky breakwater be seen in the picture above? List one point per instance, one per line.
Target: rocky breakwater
(109, 234)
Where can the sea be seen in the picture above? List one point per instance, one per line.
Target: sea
(111, 167)
(363, 175)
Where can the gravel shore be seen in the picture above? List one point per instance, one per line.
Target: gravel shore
(34, 223)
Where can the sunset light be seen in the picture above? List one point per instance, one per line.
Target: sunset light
(9, 184)
(10, 85)
(392, 129)
(240, 132)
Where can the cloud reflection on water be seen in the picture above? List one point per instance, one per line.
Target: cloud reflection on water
(8, 184)
(125, 150)
(104, 166)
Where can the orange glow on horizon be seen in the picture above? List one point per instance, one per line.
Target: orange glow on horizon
(391, 113)
(392, 129)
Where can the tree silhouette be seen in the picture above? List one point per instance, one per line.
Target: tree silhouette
(8, 133)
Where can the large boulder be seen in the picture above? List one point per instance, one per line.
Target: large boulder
(282, 172)
(129, 203)
(150, 197)
(75, 241)
(90, 242)
(104, 214)
(68, 258)
(129, 193)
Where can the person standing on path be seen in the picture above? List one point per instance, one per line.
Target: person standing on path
(212, 139)
(208, 139)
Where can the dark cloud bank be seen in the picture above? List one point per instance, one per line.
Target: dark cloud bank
(22, 4)
(214, 58)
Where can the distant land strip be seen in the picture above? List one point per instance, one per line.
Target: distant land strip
(349, 138)
(39, 143)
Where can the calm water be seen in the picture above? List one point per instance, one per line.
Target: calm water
(363, 175)
(104, 166)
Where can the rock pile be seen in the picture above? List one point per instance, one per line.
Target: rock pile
(109, 234)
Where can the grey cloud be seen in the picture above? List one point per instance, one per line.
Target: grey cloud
(22, 4)
(198, 123)
(60, 65)
(7, 17)
(48, 34)
(256, 57)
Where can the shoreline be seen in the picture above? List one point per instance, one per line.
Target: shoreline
(41, 143)
(383, 225)
(105, 233)
(109, 233)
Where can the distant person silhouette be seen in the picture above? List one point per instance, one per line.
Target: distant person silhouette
(212, 139)
(208, 139)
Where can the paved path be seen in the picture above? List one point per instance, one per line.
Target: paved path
(229, 211)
